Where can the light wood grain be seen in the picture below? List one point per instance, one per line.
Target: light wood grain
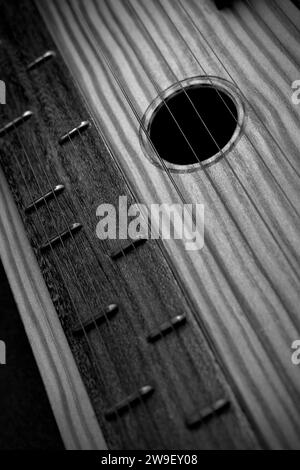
(244, 284)
(71, 406)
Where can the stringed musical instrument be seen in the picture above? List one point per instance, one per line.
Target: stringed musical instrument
(141, 343)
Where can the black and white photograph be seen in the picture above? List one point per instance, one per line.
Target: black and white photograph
(149, 228)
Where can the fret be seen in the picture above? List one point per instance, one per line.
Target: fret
(83, 126)
(12, 125)
(69, 232)
(166, 328)
(87, 325)
(41, 60)
(132, 400)
(127, 248)
(260, 60)
(45, 198)
(207, 413)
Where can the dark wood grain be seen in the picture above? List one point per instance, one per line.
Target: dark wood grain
(82, 278)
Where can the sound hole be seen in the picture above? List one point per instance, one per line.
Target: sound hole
(190, 129)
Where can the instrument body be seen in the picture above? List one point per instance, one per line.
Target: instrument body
(240, 291)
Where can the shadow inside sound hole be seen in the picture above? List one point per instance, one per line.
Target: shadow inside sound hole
(190, 129)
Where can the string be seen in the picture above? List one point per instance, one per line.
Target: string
(104, 59)
(241, 299)
(279, 245)
(157, 325)
(236, 84)
(121, 87)
(277, 7)
(58, 203)
(274, 288)
(54, 195)
(178, 279)
(191, 20)
(19, 166)
(270, 230)
(95, 361)
(274, 37)
(134, 247)
(162, 57)
(136, 18)
(157, 328)
(220, 150)
(231, 113)
(196, 369)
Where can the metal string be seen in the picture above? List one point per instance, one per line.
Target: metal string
(157, 327)
(137, 251)
(137, 19)
(192, 21)
(274, 37)
(229, 110)
(72, 234)
(47, 207)
(277, 7)
(117, 79)
(94, 359)
(193, 364)
(104, 58)
(192, 361)
(279, 245)
(269, 229)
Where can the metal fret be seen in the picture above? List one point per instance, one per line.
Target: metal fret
(62, 236)
(130, 246)
(40, 60)
(44, 199)
(91, 323)
(208, 413)
(83, 126)
(166, 328)
(132, 400)
(15, 123)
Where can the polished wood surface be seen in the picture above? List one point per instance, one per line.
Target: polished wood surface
(244, 284)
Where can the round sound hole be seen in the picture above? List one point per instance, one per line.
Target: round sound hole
(194, 124)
